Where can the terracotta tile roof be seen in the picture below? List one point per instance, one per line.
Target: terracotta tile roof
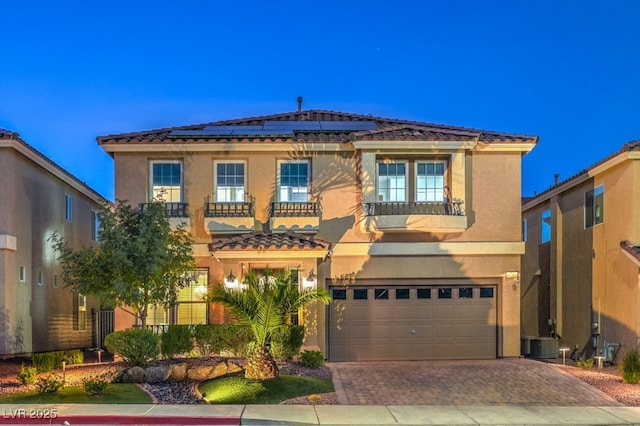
(8, 134)
(269, 242)
(387, 129)
(629, 146)
(633, 250)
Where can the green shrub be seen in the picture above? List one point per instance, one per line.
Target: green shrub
(138, 346)
(27, 375)
(312, 359)
(176, 339)
(44, 361)
(217, 338)
(286, 342)
(630, 366)
(49, 384)
(584, 363)
(95, 386)
(48, 361)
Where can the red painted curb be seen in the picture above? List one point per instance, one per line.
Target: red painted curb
(121, 420)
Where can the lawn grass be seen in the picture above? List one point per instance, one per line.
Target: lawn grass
(239, 390)
(117, 393)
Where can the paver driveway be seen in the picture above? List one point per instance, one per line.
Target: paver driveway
(513, 381)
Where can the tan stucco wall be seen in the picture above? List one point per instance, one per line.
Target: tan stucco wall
(35, 318)
(492, 203)
(585, 276)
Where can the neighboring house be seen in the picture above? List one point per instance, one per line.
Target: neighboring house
(413, 227)
(38, 198)
(580, 273)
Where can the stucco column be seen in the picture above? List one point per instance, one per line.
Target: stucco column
(555, 296)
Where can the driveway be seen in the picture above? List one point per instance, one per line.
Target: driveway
(512, 381)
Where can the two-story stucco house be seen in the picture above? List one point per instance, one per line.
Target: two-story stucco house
(38, 198)
(580, 273)
(413, 227)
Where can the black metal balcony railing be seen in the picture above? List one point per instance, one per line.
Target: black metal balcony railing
(291, 209)
(228, 210)
(443, 208)
(170, 209)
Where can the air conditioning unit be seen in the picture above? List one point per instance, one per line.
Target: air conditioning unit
(544, 347)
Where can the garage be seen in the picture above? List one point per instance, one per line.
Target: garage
(412, 323)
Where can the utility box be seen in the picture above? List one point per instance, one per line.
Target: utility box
(525, 345)
(544, 347)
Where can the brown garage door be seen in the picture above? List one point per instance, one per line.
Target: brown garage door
(412, 323)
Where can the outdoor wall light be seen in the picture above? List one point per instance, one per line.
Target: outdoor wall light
(310, 281)
(514, 277)
(231, 281)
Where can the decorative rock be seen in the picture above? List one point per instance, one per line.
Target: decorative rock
(199, 373)
(157, 374)
(219, 370)
(232, 367)
(133, 375)
(179, 371)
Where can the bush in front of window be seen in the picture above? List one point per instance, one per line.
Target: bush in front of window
(176, 339)
(286, 342)
(137, 346)
(221, 338)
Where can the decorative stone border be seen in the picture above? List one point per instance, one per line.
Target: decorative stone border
(178, 372)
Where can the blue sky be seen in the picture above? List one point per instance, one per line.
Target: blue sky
(566, 71)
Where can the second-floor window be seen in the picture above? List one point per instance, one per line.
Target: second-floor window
(68, 211)
(428, 181)
(95, 225)
(166, 181)
(230, 182)
(594, 207)
(293, 178)
(545, 226)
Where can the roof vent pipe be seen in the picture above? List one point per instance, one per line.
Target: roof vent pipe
(299, 103)
(555, 178)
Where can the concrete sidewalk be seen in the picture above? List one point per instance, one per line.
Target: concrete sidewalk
(94, 414)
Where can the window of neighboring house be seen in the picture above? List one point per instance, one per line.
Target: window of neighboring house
(55, 281)
(166, 181)
(293, 178)
(22, 274)
(79, 311)
(229, 182)
(95, 225)
(545, 226)
(430, 181)
(40, 277)
(524, 230)
(191, 307)
(392, 181)
(594, 207)
(68, 212)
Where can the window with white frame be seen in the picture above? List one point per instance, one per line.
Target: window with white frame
(293, 178)
(166, 181)
(40, 277)
(230, 181)
(22, 274)
(524, 230)
(68, 212)
(95, 225)
(545, 226)
(594, 207)
(430, 181)
(392, 181)
(192, 307)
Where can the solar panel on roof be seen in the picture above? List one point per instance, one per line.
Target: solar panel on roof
(274, 127)
(348, 125)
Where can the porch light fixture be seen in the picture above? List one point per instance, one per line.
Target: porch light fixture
(231, 281)
(310, 281)
(514, 277)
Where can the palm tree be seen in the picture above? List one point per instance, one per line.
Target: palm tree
(265, 304)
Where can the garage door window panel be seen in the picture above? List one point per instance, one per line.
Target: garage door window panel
(465, 293)
(339, 294)
(445, 293)
(424, 293)
(381, 293)
(402, 294)
(486, 293)
(360, 294)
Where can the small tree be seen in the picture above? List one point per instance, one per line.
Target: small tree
(138, 261)
(265, 305)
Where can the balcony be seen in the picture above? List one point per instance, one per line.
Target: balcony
(303, 217)
(428, 216)
(176, 212)
(229, 218)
